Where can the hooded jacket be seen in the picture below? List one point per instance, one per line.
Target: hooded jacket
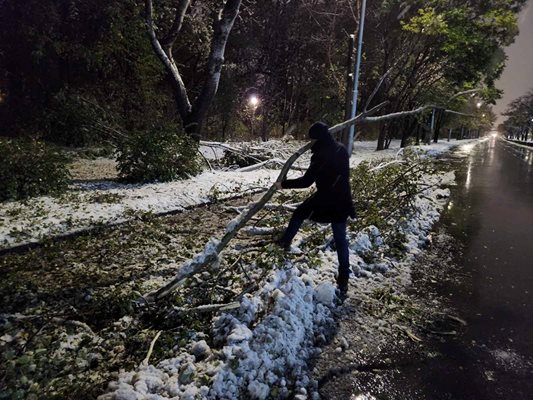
(330, 171)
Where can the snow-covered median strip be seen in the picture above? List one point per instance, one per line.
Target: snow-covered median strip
(23, 222)
(263, 349)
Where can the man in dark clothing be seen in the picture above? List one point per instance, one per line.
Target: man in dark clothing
(332, 202)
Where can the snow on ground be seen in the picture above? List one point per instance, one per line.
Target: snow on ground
(520, 143)
(95, 203)
(265, 346)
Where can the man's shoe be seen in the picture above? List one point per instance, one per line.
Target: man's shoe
(342, 284)
(283, 245)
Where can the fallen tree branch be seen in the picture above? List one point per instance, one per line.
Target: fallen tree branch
(214, 247)
(357, 118)
(218, 144)
(57, 320)
(268, 206)
(385, 165)
(208, 308)
(206, 160)
(266, 163)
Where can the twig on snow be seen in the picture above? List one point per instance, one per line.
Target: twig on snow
(151, 349)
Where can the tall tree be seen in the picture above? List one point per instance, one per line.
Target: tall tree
(193, 112)
(519, 114)
(433, 49)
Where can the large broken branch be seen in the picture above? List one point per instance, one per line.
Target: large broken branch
(357, 118)
(215, 247)
(463, 93)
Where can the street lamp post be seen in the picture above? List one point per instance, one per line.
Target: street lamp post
(356, 75)
(349, 88)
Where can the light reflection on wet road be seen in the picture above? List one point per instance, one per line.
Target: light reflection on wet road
(492, 215)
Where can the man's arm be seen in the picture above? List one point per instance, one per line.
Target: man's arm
(305, 181)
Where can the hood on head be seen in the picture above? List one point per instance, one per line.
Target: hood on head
(320, 132)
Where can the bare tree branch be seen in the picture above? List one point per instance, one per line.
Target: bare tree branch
(169, 40)
(182, 99)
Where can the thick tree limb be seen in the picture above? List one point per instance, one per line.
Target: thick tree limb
(214, 247)
(395, 115)
(171, 37)
(463, 93)
(460, 113)
(357, 118)
(182, 99)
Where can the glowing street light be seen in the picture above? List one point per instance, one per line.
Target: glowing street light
(479, 104)
(254, 101)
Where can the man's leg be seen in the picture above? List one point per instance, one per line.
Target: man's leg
(301, 213)
(339, 235)
(291, 231)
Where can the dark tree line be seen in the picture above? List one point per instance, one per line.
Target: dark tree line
(519, 122)
(79, 72)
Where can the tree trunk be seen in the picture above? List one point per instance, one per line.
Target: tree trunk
(381, 137)
(439, 118)
(194, 113)
(408, 132)
(390, 135)
(349, 89)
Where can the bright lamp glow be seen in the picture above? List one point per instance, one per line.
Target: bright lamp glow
(254, 101)
(479, 104)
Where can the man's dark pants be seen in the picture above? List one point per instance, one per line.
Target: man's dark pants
(339, 235)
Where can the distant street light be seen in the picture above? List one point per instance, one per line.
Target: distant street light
(253, 101)
(479, 104)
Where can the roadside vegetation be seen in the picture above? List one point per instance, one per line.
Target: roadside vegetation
(69, 320)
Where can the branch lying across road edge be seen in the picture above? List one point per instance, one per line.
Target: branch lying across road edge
(214, 247)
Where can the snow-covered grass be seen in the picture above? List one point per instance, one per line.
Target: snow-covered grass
(264, 348)
(92, 204)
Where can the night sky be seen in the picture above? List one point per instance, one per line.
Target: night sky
(517, 78)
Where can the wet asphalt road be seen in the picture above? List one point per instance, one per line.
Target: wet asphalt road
(491, 216)
(490, 220)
